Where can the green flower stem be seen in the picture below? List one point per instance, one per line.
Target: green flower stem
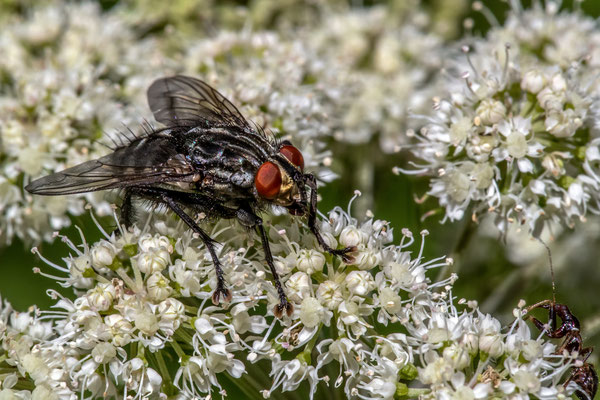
(162, 366)
(306, 354)
(180, 353)
(246, 384)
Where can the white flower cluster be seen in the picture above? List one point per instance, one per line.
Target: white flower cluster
(143, 326)
(515, 133)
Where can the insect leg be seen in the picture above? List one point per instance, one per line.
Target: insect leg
(312, 223)
(127, 208)
(252, 220)
(221, 290)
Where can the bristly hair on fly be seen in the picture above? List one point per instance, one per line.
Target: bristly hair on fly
(207, 159)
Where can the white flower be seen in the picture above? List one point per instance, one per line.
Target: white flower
(431, 342)
(158, 287)
(533, 81)
(153, 261)
(311, 312)
(390, 300)
(562, 123)
(359, 282)
(146, 322)
(102, 296)
(103, 254)
(490, 111)
(329, 294)
(528, 116)
(351, 236)
(103, 353)
(298, 285)
(526, 381)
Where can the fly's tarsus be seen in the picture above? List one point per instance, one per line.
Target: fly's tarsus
(284, 306)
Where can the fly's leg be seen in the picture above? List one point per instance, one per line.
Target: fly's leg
(312, 223)
(283, 305)
(127, 214)
(221, 291)
(249, 219)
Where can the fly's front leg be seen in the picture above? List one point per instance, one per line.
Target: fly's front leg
(250, 219)
(221, 292)
(311, 182)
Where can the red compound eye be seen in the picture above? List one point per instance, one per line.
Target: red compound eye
(268, 180)
(293, 155)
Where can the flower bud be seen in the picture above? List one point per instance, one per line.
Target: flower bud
(101, 297)
(298, 286)
(491, 111)
(492, 345)
(146, 322)
(158, 287)
(330, 294)
(533, 81)
(103, 254)
(359, 282)
(310, 261)
(154, 260)
(367, 259)
(351, 236)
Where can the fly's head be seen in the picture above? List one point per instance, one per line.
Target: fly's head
(282, 180)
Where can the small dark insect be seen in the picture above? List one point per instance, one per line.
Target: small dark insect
(208, 159)
(585, 375)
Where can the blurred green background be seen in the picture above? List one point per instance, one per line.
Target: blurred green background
(485, 272)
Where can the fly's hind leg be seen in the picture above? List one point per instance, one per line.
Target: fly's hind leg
(252, 220)
(221, 292)
(127, 214)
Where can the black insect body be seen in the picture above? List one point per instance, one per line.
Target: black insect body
(208, 159)
(584, 375)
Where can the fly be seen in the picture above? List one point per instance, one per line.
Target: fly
(207, 160)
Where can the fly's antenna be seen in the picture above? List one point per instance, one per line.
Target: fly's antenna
(551, 268)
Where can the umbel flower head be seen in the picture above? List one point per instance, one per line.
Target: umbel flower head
(515, 134)
(142, 324)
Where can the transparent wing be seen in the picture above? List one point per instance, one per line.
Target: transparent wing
(184, 101)
(143, 162)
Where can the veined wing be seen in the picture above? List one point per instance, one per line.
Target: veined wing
(185, 101)
(145, 161)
